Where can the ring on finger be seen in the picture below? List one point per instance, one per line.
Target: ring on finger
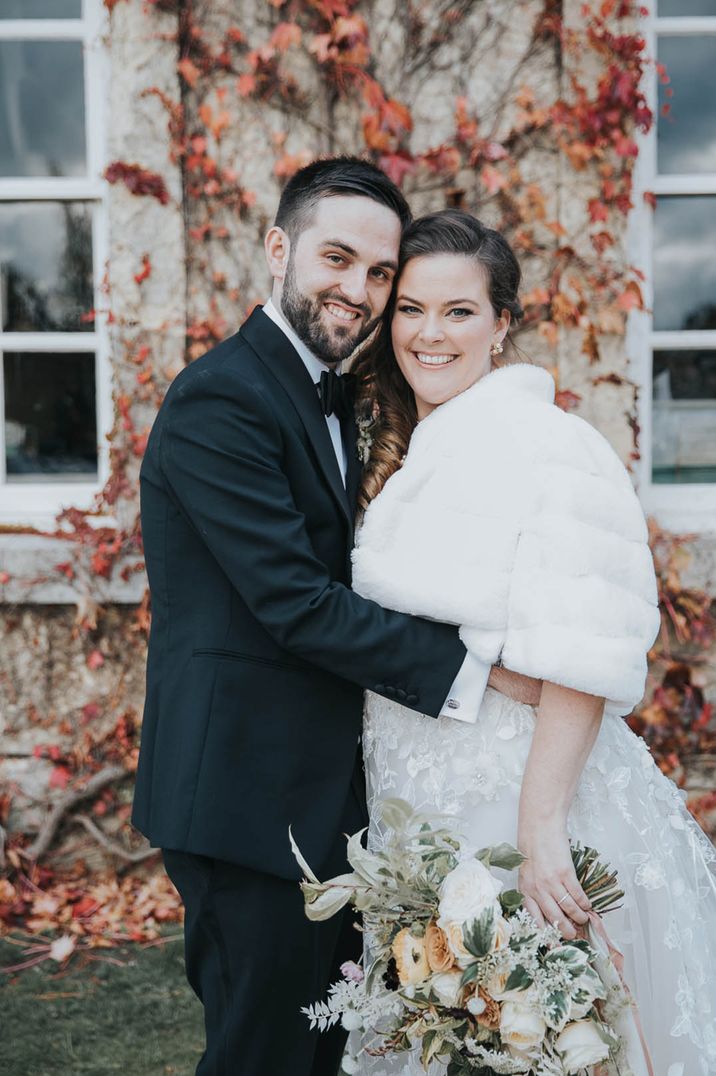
(560, 902)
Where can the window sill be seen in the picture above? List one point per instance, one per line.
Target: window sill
(29, 564)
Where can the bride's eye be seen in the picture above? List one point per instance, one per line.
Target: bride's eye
(461, 311)
(406, 308)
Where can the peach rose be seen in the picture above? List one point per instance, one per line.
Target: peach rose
(437, 948)
(410, 958)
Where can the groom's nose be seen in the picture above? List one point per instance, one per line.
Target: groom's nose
(354, 285)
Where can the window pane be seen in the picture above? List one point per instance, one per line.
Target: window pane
(684, 417)
(40, 9)
(45, 266)
(684, 263)
(50, 423)
(42, 109)
(686, 7)
(686, 138)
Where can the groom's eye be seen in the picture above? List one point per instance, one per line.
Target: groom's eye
(337, 259)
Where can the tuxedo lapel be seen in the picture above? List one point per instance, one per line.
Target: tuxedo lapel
(281, 359)
(349, 433)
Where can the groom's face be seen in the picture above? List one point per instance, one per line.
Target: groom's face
(339, 273)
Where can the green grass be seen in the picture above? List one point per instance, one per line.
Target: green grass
(140, 1019)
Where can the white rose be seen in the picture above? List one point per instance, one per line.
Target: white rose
(581, 1045)
(467, 892)
(446, 987)
(456, 943)
(349, 1065)
(521, 1026)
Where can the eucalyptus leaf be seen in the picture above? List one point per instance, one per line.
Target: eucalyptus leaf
(504, 856)
(511, 900)
(361, 860)
(396, 813)
(337, 894)
(308, 873)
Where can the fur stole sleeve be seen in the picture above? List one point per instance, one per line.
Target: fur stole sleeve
(519, 523)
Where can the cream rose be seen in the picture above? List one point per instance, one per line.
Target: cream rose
(410, 958)
(446, 987)
(453, 933)
(467, 892)
(581, 1045)
(503, 933)
(520, 1025)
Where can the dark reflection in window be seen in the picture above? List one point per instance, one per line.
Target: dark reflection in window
(684, 262)
(40, 9)
(50, 422)
(686, 137)
(684, 417)
(42, 109)
(686, 7)
(45, 266)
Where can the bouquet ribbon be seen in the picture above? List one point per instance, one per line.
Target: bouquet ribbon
(617, 958)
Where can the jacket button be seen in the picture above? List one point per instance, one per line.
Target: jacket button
(400, 694)
(389, 691)
(379, 688)
(411, 699)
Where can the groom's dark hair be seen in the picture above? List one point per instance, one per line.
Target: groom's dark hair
(342, 176)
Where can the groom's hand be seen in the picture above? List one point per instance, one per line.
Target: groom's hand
(521, 688)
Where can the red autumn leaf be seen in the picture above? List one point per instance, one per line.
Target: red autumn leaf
(145, 271)
(375, 137)
(285, 35)
(4, 578)
(245, 85)
(137, 180)
(493, 180)
(396, 116)
(66, 568)
(188, 71)
(90, 711)
(84, 907)
(650, 199)
(59, 777)
(236, 35)
(566, 399)
(397, 166)
(95, 660)
(88, 317)
(597, 210)
(631, 298)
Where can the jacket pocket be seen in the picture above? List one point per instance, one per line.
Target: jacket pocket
(250, 659)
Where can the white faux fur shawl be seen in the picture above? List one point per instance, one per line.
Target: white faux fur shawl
(518, 522)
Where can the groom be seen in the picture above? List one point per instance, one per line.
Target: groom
(259, 651)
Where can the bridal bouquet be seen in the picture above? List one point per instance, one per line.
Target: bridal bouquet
(457, 969)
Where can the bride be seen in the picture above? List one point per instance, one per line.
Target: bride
(489, 507)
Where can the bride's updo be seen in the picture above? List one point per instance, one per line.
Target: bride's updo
(382, 389)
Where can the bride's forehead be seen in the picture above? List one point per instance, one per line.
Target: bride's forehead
(441, 273)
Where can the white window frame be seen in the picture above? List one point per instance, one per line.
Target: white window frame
(36, 503)
(690, 506)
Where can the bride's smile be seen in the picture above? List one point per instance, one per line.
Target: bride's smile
(443, 327)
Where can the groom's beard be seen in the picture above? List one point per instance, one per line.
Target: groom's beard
(306, 315)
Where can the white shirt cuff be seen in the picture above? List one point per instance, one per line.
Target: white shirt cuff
(465, 696)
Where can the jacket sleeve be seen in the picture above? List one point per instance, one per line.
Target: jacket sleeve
(221, 454)
(582, 608)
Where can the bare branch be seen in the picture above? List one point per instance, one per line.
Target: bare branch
(114, 847)
(73, 796)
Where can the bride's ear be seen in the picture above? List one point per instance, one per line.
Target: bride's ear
(502, 325)
(277, 246)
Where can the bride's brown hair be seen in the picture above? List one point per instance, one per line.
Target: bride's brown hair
(382, 389)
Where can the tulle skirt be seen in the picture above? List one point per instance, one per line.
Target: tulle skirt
(624, 807)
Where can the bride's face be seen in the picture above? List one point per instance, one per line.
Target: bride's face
(443, 327)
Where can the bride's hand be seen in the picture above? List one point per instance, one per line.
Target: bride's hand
(548, 881)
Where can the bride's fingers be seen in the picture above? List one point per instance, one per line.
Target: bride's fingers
(553, 913)
(568, 907)
(533, 908)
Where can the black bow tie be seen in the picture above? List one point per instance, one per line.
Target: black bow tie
(337, 394)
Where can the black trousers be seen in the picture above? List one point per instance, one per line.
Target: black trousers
(254, 959)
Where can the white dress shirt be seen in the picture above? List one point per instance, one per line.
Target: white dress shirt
(465, 695)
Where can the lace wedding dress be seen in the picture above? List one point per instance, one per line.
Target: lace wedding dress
(624, 807)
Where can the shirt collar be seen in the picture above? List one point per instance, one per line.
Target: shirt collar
(313, 364)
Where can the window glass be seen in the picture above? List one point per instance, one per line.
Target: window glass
(40, 9)
(684, 417)
(50, 423)
(45, 266)
(684, 263)
(686, 137)
(686, 7)
(42, 112)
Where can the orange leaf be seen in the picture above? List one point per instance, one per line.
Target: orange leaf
(145, 271)
(631, 298)
(397, 116)
(188, 71)
(493, 180)
(59, 777)
(95, 660)
(245, 85)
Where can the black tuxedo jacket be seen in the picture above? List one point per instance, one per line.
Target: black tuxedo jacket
(259, 652)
